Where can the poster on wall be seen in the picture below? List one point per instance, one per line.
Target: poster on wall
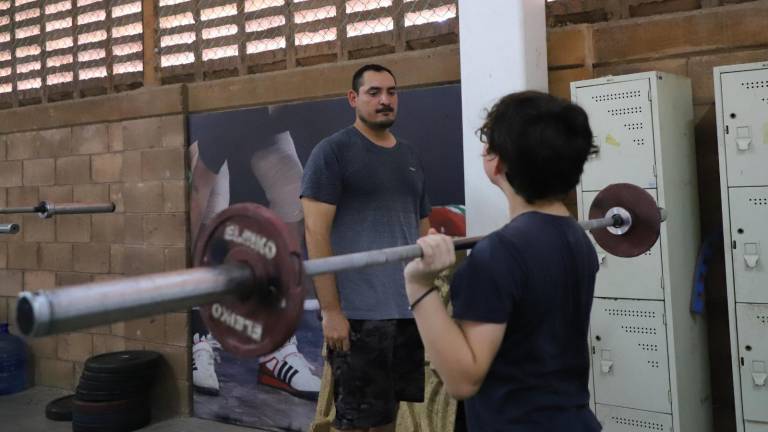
(256, 155)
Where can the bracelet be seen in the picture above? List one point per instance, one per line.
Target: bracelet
(421, 297)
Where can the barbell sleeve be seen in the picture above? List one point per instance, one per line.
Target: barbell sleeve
(10, 228)
(82, 306)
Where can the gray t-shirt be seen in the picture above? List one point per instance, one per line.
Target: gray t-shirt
(380, 197)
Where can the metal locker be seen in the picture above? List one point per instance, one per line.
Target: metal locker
(754, 426)
(621, 119)
(629, 354)
(635, 278)
(745, 116)
(752, 323)
(618, 419)
(749, 245)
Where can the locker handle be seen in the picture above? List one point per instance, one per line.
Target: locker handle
(743, 143)
(606, 366)
(601, 258)
(751, 254)
(759, 378)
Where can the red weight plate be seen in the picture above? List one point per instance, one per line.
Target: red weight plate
(259, 322)
(646, 220)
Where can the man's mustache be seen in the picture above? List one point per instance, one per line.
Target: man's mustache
(386, 109)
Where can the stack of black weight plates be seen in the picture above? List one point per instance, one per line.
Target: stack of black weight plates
(113, 392)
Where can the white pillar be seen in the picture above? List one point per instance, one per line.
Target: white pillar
(503, 49)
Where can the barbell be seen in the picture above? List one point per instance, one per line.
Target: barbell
(250, 279)
(47, 209)
(10, 228)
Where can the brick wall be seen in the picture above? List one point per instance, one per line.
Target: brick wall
(138, 164)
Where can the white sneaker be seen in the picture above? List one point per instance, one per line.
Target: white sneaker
(286, 369)
(204, 377)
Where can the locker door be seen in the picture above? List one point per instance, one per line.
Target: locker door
(618, 419)
(752, 323)
(622, 123)
(629, 354)
(745, 115)
(749, 214)
(635, 278)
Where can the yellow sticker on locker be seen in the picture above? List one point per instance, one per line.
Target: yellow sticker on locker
(610, 140)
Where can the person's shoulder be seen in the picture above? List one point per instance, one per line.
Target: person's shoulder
(337, 141)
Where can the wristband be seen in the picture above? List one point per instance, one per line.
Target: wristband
(421, 297)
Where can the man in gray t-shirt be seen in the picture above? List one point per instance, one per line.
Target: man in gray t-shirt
(363, 189)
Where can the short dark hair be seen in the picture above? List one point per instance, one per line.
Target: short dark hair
(543, 142)
(357, 78)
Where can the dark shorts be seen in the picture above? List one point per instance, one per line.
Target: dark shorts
(385, 365)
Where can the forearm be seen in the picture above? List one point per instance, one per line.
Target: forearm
(446, 345)
(318, 246)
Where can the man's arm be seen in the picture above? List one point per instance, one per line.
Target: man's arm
(318, 221)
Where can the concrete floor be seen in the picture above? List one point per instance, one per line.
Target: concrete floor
(25, 412)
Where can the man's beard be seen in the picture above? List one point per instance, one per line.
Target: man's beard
(378, 125)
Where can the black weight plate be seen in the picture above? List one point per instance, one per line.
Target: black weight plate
(119, 415)
(86, 395)
(60, 409)
(144, 376)
(126, 387)
(123, 362)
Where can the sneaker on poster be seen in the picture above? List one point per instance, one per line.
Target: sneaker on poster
(286, 369)
(204, 378)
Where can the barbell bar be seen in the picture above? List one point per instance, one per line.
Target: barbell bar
(250, 278)
(10, 228)
(47, 209)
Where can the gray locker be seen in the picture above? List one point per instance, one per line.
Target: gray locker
(618, 419)
(649, 353)
(620, 115)
(752, 323)
(741, 106)
(749, 242)
(745, 115)
(629, 354)
(635, 278)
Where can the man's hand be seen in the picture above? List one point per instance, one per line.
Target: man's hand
(336, 330)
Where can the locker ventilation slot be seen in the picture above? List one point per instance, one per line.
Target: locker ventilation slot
(654, 364)
(633, 126)
(617, 96)
(639, 141)
(638, 424)
(639, 330)
(634, 313)
(649, 347)
(763, 319)
(625, 111)
(758, 201)
(754, 84)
